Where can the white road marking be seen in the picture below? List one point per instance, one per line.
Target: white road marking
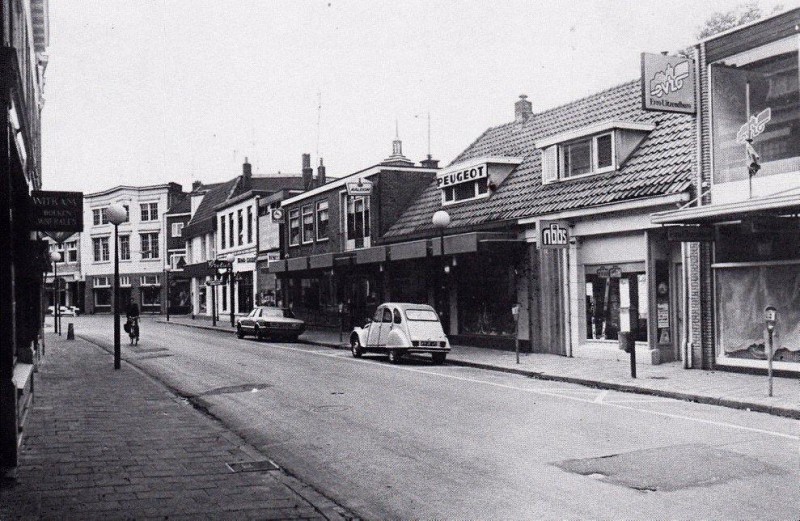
(600, 397)
(545, 393)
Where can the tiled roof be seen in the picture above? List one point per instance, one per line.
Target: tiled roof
(183, 204)
(216, 194)
(661, 165)
(276, 183)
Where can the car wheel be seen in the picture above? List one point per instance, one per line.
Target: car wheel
(394, 356)
(239, 332)
(355, 347)
(438, 358)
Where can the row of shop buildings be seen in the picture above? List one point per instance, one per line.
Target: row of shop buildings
(667, 206)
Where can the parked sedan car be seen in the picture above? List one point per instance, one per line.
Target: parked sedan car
(269, 321)
(400, 328)
(65, 311)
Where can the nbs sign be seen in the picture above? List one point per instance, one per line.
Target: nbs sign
(668, 83)
(553, 235)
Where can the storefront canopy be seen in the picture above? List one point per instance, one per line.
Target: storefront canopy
(714, 213)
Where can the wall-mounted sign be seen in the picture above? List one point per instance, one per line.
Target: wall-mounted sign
(363, 187)
(754, 126)
(246, 258)
(455, 177)
(668, 83)
(603, 272)
(215, 282)
(57, 211)
(218, 264)
(615, 272)
(553, 235)
(277, 215)
(690, 234)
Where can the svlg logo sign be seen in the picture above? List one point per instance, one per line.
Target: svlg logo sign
(553, 235)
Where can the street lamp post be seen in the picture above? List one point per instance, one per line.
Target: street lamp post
(230, 258)
(56, 258)
(167, 269)
(116, 215)
(441, 220)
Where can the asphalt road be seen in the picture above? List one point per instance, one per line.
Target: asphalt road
(442, 442)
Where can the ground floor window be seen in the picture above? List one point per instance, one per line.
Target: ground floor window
(151, 297)
(102, 297)
(487, 292)
(245, 293)
(202, 296)
(407, 283)
(742, 293)
(607, 290)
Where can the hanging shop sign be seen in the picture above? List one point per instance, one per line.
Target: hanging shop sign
(668, 83)
(277, 215)
(603, 272)
(553, 235)
(361, 188)
(218, 264)
(465, 175)
(690, 234)
(57, 211)
(615, 272)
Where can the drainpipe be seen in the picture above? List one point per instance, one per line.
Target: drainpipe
(258, 249)
(687, 331)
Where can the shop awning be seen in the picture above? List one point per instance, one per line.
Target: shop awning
(198, 270)
(472, 242)
(771, 205)
(297, 264)
(324, 260)
(277, 266)
(408, 250)
(371, 255)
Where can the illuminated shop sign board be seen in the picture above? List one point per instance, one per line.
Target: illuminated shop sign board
(361, 188)
(553, 235)
(668, 83)
(464, 175)
(57, 211)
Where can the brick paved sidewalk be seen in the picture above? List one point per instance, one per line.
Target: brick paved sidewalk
(728, 389)
(105, 444)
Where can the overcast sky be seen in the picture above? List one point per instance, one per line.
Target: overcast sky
(145, 92)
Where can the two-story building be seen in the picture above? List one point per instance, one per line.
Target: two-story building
(745, 255)
(331, 270)
(142, 246)
(71, 292)
(178, 298)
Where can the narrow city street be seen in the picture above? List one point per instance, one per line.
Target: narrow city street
(419, 441)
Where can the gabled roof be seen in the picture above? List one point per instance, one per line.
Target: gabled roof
(215, 194)
(183, 204)
(661, 165)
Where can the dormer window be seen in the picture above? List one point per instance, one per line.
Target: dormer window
(592, 155)
(472, 179)
(600, 148)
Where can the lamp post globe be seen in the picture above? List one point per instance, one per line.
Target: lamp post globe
(117, 215)
(56, 257)
(230, 258)
(441, 219)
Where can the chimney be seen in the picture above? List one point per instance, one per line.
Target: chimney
(196, 186)
(308, 172)
(523, 109)
(429, 162)
(320, 173)
(247, 174)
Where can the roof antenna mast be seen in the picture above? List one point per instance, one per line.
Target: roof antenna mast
(319, 117)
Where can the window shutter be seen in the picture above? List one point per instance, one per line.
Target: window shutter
(550, 164)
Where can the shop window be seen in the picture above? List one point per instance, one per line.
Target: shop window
(294, 227)
(322, 220)
(308, 224)
(124, 247)
(606, 292)
(100, 249)
(756, 98)
(485, 308)
(151, 297)
(149, 243)
(102, 297)
(149, 211)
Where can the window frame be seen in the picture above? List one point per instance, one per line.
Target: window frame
(594, 169)
(294, 215)
(222, 231)
(150, 246)
(240, 226)
(179, 227)
(104, 249)
(317, 211)
(150, 210)
(307, 210)
(122, 250)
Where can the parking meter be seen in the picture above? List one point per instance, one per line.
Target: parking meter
(515, 314)
(770, 317)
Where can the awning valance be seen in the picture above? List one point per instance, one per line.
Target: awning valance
(409, 250)
(297, 264)
(324, 260)
(471, 242)
(771, 205)
(371, 255)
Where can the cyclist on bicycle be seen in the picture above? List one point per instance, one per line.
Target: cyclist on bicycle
(132, 314)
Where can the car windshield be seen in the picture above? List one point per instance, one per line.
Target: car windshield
(421, 315)
(277, 312)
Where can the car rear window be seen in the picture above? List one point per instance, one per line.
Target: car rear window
(421, 315)
(276, 312)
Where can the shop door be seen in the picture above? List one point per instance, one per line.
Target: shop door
(678, 307)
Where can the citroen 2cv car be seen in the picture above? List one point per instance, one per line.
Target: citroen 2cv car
(400, 328)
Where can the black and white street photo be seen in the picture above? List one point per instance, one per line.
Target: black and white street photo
(350, 259)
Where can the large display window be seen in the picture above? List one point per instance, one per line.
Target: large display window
(756, 100)
(487, 292)
(608, 289)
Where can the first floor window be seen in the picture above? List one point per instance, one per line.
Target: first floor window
(222, 230)
(294, 227)
(308, 224)
(176, 229)
(125, 247)
(72, 251)
(149, 245)
(322, 220)
(149, 211)
(357, 225)
(100, 216)
(100, 249)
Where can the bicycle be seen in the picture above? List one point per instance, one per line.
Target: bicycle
(133, 330)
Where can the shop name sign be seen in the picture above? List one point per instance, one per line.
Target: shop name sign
(57, 211)
(553, 235)
(219, 264)
(461, 176)
(668, 83)
(361, 188)
(754, 126)
(690, 234)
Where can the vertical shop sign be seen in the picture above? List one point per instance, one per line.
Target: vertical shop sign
(668, 83)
